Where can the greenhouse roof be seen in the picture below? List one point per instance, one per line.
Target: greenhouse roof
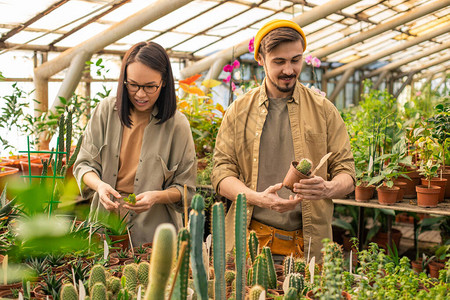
(203, 27)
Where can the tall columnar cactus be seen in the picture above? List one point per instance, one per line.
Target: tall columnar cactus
(332, 283)
(272, 274)
(288, 264)
(68, 292)
(98, 291)
(181, 284)
(161, 261)
(240, 223)
(255, 292)
(142, 273)
(131, 275)
(196, 225)
(218, 238)
(253, 245)
(260, 273)
(299, 265)
(304, 166)
(292, 294)
(98, 274)
(297, 281)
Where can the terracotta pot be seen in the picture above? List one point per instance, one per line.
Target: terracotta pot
(121, 241)
(427, 197)
(272, 292)
(344, 294)
(7, 287)
(381, 238)
(7, 173)
(434, 268)
(36, 167)
(446, 175)
(402, 185)
(410, 191)
(293, 176)
(364, 193)
(121, 259)
(438, 182)
(416, 265)
(387, 195)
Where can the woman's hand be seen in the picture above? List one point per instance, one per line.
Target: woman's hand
(144, 201)
(105, 191)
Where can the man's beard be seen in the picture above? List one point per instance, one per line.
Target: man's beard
(283, 89)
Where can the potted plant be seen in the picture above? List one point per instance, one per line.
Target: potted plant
(298, 170)
(116, 229)
(441, 253)
(428, 195)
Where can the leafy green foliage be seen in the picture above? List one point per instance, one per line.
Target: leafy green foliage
(131, 199)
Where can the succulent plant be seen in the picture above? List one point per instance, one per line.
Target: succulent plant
(98, 274)
(98, 291)
(130, 272)
(299, 265)
(240, 226)
(288, 264)
(142, 273)
(229, 276)
(131, 199)
(272, 275)
(255, 292)
(304, 166)
(68, 292)
(218, 237)
(253, 245)
(114, 284)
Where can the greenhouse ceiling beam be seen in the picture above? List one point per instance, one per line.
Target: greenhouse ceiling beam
(117, 31)
(443, 77)
(403, 19)
(402, 62)
(380, 79)
(237, 50)
(32, 20)
(341, 84)
(371, 58)
(432, 63)
(404, 84)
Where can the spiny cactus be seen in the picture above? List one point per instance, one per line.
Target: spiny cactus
(308, 275)
(229, 276)
(197, 225)
(131, 275)
(98, 291)
(250, 276)
(240, 223)
(297, 281)
(68, 292)
(292, 294)
(161, 261)
(218, 237)
(142, 273)
(260, 273)
(299, 265)
(255, 292)
(332, 283)
(272, 274)
(304, 166)
(181, 284)
(114, 285)
(253, 245)
(98, 274)
(288, 264)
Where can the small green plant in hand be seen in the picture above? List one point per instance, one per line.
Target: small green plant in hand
(131, 199)
(304, 166)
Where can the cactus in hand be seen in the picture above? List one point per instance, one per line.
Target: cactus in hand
(304, 166)
(142, 273)
(272, 274)
(240, 226)
(297, 281)
(218, 242)
(98, 291)
(288, 264)
(161, 261)
(260, 273)
(131, 275)
(197, 226)
(181, 284)
(255, 292)
(68, 292)
(253, 245)
(98, 274)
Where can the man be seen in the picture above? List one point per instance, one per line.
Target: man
(266, 129)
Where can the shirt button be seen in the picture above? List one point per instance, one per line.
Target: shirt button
(254, 159)
(114, 175)
(257, 134)
(136, 179)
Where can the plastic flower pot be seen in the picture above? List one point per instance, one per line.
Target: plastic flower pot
(427, 197)
(293, 176)
(387, 195)
(363, 192)
(442, 183)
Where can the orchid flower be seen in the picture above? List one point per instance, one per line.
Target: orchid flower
(228, 68)
(251, 45)
(226, 80)
(308, 59)
(236, 64)
(315, 62)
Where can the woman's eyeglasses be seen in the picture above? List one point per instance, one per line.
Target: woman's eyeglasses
(148, 89)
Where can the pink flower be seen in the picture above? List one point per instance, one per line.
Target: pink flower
(233, 86)
(236, 64)
(251, 45)
(308, 59)
(418, 93)
(228, 68)
(226, 80)
(316, 62)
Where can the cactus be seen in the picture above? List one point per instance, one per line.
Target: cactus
(98, 291)
(304, 166)
(292, 294)
(299, 265)
(332, 283)
(162, 259)
(197, 224)
(131, 275)
(260, 273)
(250, 276)
(297, 281)
(288, 264)
(114, 285)
(142, 273)
(218, 241)
(98, 274)
(240, 225)
(109, 295)
(255, 292)
(253, 245)
(68, 292)
(181, 284)
(229, 276)
(272, 274)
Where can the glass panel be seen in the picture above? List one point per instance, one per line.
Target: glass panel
(25, 36)
(83, 34)
(19, 11)
(196, 43)
(169, 39)
(228, 42)
(313, 27)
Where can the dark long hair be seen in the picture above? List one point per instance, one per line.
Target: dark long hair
(153, 56)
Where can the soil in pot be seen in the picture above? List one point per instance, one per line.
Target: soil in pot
(438, 182)
(293, 176)
(387, 195)
(427, 197)
(364, 193)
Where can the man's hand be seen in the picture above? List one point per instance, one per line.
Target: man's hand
(270, 199)
(105, 191)
(144, 201)
(315, 188)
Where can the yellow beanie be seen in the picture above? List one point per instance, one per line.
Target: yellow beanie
(271, 25)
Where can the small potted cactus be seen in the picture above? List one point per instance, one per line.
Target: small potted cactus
(297, 171)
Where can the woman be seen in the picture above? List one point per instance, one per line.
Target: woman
(139, 143)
